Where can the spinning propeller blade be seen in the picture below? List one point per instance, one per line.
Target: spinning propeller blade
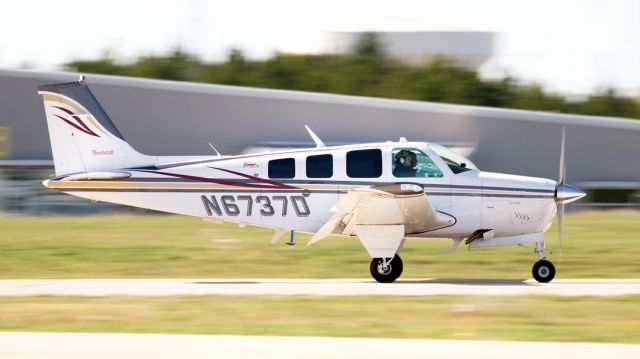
(564, 192)
(560, 224)
(562, 172)
(563, 166)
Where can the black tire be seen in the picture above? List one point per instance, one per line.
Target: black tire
(393, 272)
(543, 271)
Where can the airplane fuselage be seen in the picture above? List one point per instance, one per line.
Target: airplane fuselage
(298, 189)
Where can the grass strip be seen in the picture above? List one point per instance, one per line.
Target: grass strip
(538, 318)
(596, 245)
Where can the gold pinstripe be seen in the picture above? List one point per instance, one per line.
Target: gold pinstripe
(76, 106)
(96, 124)
(48, 97)
(172, 185)
(125, 184)
(58, 98)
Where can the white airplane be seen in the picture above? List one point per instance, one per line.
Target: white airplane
(383, 193)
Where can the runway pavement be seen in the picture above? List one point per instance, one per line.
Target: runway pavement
(328, 287)
(168, 346)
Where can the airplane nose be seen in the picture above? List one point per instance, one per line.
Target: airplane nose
(567, 194)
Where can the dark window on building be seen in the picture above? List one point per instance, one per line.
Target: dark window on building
(320, 166)
(284, 168)
(364, 164)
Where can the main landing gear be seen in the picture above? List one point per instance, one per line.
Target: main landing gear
(543, 271)
(386, 270)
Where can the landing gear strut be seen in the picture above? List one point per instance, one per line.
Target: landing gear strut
(543, 271)
(386, 270)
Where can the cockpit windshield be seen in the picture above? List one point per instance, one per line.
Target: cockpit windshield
(456, 162)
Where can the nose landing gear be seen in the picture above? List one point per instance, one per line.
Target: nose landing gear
(386, 270)
(543, 271)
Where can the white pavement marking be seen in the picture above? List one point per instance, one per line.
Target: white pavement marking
(326, 287)
(166, 346)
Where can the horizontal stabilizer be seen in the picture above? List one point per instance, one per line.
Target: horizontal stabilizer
(97, 176)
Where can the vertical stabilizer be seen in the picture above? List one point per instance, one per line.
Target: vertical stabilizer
(83, 137)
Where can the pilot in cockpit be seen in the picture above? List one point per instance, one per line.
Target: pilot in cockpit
(405, 164)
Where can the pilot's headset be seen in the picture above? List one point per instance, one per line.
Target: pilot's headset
(401, 157)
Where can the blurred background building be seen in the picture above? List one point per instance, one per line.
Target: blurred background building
(470, 48)
(496, 80)
(180, 118)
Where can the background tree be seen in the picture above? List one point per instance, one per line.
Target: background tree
(366, 71)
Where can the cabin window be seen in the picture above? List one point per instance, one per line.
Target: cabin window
(364, 163)
(284, 168)
(411, 162)
(320, 166)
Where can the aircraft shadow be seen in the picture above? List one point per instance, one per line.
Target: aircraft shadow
(225, 282)
(475, 282)
(454, 281)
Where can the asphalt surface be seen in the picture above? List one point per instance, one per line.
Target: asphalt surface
(164, 346)
(328, 287)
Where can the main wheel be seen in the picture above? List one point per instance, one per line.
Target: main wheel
(387, 274)
(543, 271)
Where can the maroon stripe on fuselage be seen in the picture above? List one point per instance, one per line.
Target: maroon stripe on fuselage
(221, 181)
(274, 183)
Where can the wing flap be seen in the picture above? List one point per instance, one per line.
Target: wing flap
(329, 228)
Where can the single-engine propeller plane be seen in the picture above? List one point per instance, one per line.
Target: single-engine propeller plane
(383, 193)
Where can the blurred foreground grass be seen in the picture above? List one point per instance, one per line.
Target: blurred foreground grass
(593, 319)
(596, 245)
(599, 244)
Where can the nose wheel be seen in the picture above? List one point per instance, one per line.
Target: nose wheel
(543, 271)
(385, 270)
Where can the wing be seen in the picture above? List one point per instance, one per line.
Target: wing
(387, 210)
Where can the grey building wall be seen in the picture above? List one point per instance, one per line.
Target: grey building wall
(471, 48)
(176, 118)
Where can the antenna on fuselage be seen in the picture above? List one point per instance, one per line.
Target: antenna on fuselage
(216, 151)
(315, 138)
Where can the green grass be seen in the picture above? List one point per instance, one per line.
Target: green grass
(593, 319)
(598, 244)
(602, 244)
